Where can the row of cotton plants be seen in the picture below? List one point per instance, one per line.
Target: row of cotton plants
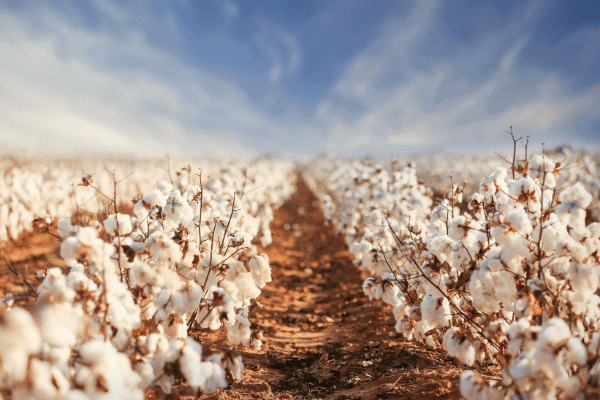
(468, 170)
(513, 280)
(29, 189)
(142, 287)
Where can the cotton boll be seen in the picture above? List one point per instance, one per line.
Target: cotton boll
(473, 387)
(260, 270)
(459, 227)
(577, 352)
(542, 168)
(239, 332)
(214, 377)
(155, 199)
(554, 333)
(519, 221)
(125, 226)
(178, 210)
(392, 294)
(165, 187)
(441, 247)
(231, 362)
(65, 229)
(54, 288)
(104, 370)
(436, 310)
(20, 339)
(59, 325)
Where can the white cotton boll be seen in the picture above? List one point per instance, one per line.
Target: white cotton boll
(187, 298)
(230, 362)
(576, 196)
(239, 332)
(441, 247)
(155, 199)
(392, 294)
(541, 165)
(163, 247)
(459, 227)
(459, 346)
(400, 311)
(20, 338)
(104, 370)
(519, 221)
(189, 363)
(436, 310)
(177, 209)
(125, 227)
(146, 372)
(246, 289)
(70, 250)
(140, 211)
(489, 287)
(65, 229)
(576, 351)
(520, 370)
(213, 377)
(59, 325)
(554, 333)
(54, 289)
(165, 187)
(260, 270)
(473, 387)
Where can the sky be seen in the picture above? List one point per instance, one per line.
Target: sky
(237, 79)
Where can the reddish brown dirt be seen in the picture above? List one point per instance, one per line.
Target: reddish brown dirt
(323, 339)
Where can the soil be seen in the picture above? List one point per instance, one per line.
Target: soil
(323, 339)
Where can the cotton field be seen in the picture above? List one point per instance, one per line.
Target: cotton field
(493, 261)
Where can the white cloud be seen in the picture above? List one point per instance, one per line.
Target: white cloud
(402, 106)
(112, 11)
(230, 9)
(171, 23)
(276, 67)
(65, 88)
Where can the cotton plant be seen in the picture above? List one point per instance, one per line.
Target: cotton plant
(142, 286)
(512, 280)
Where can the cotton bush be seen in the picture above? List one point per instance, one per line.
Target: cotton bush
(512, 280)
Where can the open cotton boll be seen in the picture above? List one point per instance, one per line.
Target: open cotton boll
(239, 332)
(177, 209)
(20, 339)
(124, 220)
(163, 247)
(104, 372)
(459, 228)
(155, 199)
(441, 247)
(435, 310)
(542, 168)
(231, 362)
(473, 387)
(489, 286)
(459, 346)
(54, 288)
(519, 221)
(59, 325)
(260, 269)
(165, 187)
(65, 229)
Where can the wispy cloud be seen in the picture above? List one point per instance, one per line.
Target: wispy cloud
(66, 89)
(395, 97)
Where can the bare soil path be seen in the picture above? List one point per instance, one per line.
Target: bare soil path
(323, 338)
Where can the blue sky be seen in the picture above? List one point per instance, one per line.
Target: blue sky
(225, 78)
